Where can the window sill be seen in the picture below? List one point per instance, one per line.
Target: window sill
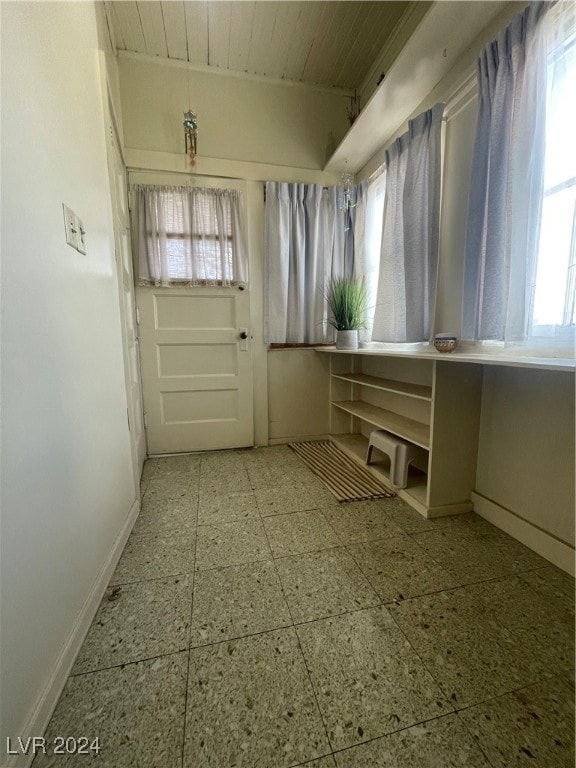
(482, 354)
(280, 347)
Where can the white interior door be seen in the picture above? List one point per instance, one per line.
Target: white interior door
(196, 368)
(127, 303)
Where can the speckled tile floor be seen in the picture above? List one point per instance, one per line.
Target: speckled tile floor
(252, 622)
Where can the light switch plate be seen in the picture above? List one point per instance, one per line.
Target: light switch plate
(70, 226)
(74, 229)
(81, 235)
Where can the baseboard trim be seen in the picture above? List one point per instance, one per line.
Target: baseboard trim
(448, 509)
(557, 552)
(40, 714)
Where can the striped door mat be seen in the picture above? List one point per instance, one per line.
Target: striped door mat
(344, 477)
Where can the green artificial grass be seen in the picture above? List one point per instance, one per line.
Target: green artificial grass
(346, 297)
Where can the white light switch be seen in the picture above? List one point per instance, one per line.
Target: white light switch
(81, 236)
(70, 227)
(74, 229)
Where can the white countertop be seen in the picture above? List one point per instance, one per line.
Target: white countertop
(421, 352)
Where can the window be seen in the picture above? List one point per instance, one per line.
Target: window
(554, 305)
(368, 241)
(190, 236)
(519, 264)
(204, 239)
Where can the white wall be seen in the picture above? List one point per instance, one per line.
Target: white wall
(67, 487)
(238, 118)
(459, 139)
(526, 451)
(298, 394)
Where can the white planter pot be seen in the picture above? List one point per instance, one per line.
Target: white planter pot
(346, 339)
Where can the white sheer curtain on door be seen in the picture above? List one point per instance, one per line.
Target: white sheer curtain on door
(306, 243)
(190, 236)
(405, 298)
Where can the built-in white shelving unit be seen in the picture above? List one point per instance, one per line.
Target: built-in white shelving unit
(427, 401)
(381, 418)
(405, 387)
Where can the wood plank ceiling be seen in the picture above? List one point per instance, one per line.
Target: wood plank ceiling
(331, 44)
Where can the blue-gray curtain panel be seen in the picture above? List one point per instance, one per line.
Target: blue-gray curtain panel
(506, 187)
(405, 300)
(306, 242)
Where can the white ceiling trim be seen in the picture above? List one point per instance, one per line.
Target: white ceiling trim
(139, 160)
(144, 57)
(405, 23)
(441, 38)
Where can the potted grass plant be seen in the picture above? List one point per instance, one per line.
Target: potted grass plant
(346, 298)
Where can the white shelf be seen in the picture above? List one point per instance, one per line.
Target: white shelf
(422, 352)
(389, 385)
(431, 405)
(411, 430)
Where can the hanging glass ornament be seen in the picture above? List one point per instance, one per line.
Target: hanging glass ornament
(346, 192)
(190, 135)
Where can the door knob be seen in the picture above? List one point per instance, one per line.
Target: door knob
(243, 334)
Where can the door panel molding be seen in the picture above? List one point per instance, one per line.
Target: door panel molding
(198, 390)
